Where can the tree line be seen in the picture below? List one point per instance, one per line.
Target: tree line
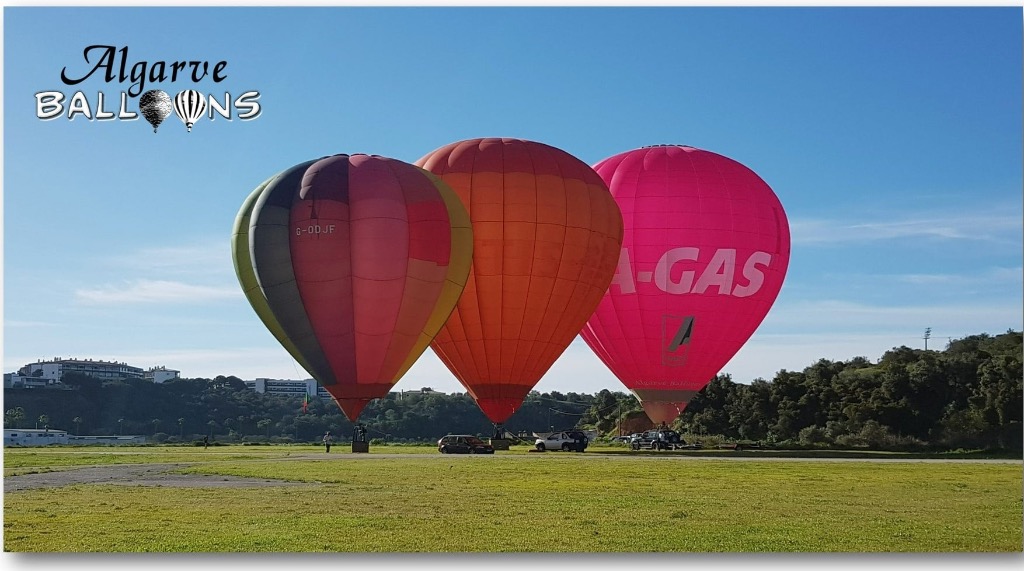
(966, 396)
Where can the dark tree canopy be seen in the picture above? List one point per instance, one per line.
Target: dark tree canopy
(966, 396)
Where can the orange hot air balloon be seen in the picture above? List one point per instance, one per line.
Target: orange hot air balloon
(546, 240)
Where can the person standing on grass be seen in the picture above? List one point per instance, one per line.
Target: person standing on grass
(327, 441)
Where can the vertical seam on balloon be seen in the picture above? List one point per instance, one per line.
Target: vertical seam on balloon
(355, 364)
(313, 213)
(601, 350)
(531, 343)
(590, 248)
(714, 344)
(457, 203)
(550, 346)
(633, 354)
(405, 282)
(463, 356)
(253, 291)
(483, 373)
(595, 323)
(351, 276)
(434, 345)
(257, 209)
(688, 382)
(603, 328)
(541, 354)
(501, 287)
(596, 318)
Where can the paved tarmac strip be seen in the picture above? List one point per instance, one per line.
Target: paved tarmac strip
(135, 475)
(162, 474)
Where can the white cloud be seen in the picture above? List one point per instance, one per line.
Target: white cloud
(989, 226)
(992, 276)
(154, 291)
(29, 324)
(206, 257)
(962, 319)
(167, 272)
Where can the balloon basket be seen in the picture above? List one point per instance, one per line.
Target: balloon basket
(500, 443)
(360, 447)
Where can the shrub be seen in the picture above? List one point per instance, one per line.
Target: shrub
(812, 436)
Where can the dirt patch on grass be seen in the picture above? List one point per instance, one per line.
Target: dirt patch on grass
(135, 475)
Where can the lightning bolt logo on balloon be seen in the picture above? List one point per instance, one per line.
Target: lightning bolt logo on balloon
(497, 252)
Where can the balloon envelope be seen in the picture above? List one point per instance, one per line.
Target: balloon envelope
(704, 254)
(353, 263)
(546, 236)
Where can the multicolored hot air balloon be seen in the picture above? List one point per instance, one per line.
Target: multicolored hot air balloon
(353, 262)
(546, 238)
(704, 254)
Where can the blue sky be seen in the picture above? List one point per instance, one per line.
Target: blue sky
(893, 138)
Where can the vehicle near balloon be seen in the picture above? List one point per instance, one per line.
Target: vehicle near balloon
(353, 263)
(660, 439)
(546, 238)
(568, 441)
(463, 444)
(705, 250)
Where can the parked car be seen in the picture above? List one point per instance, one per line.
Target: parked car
(658, 439)
(567, 440)
(463, 444)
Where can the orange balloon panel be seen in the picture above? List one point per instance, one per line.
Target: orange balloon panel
(546, 240)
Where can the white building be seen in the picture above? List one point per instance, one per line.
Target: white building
(37, 437)
(34, 437)
(161, 374)
(288, 387)
(424, 391)
(48, 374)
(57, 367)
(16, 381)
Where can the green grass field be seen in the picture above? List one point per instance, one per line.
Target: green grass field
(411, 499)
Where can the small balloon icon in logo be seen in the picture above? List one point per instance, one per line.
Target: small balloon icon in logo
(155, 106)
(189, 105)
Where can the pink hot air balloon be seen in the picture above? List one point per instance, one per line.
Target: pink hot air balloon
(704, 253)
